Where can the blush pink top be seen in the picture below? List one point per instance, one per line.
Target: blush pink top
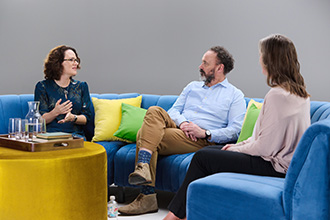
(283, 119)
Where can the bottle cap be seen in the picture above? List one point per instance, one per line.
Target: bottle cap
(112, 197)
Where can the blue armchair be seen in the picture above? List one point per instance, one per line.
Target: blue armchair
(303, 194)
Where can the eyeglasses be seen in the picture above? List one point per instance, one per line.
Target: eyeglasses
(72, 60)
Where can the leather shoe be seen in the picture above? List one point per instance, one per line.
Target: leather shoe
(141, 205)
(141, 175)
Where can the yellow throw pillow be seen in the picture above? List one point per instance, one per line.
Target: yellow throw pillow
(108, 116)
(257, 104)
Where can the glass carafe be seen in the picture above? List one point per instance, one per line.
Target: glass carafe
(36, 124)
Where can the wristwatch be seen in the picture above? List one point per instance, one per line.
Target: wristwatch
(75, 118)
(207, 134)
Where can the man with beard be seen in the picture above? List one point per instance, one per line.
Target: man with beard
(207, 112)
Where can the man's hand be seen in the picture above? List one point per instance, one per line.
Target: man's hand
(192, 130)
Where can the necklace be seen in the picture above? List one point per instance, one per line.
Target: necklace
(64, 89)
(65, 93)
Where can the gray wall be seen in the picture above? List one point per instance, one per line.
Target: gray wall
(156, 46)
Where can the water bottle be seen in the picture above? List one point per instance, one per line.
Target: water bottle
(112, 208)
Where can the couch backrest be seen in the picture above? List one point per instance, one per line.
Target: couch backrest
(164, 101)
(16, 106)
(319, 111)
(13, 106)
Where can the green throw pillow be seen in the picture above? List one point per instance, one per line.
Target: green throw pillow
(251, 117)
(131, 121)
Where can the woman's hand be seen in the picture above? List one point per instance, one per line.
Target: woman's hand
(69, 117)
(227, 146)
(63, 108)
(59, 109)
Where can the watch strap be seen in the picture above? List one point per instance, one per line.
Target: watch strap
(75, 118)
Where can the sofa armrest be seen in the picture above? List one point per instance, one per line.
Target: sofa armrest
(307, 183)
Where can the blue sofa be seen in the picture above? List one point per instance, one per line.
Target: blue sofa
(171, 170)
(304, 191)
(303, 194)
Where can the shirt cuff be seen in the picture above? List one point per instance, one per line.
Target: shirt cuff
(179, 120)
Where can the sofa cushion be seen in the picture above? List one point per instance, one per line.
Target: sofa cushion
(171, 171)
(131, 121)
(164, 101)
(111, 148)
(234, 196)
(124, 163)
(108, 116)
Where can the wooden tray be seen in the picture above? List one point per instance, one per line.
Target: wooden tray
(38, 144)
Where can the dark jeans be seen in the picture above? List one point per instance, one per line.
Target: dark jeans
(211, 160)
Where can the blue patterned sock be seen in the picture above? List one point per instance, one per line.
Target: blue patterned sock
(144, 156)
(146, 190)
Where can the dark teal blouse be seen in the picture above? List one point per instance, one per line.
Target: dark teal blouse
(48, 93)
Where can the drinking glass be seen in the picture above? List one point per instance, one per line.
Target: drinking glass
(11, 128)
(15, 128)
(18, 128)
(38, 125)
(43, 126)
(32, 129)
(25, 129)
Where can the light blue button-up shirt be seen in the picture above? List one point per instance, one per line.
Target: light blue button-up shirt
(219, 108)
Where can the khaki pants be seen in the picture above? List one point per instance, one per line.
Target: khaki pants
(160, 134)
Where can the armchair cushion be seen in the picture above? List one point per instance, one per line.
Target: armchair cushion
(236, 196)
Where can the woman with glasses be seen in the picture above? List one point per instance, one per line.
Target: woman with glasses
(283, 119)
(64, 102)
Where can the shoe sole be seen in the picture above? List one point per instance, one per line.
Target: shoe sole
(129, 214)
(137, 180)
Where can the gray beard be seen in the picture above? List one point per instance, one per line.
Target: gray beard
(207, 79)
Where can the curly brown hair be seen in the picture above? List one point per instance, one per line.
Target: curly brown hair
(280, 58)
(53, 63)
(224, 57)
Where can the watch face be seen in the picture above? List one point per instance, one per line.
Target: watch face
(207, 132)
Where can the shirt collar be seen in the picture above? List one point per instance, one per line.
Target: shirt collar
(224, 83)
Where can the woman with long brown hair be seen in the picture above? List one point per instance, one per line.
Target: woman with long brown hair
(283, 119)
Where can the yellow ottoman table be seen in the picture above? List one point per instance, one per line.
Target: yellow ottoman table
(67, 184)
